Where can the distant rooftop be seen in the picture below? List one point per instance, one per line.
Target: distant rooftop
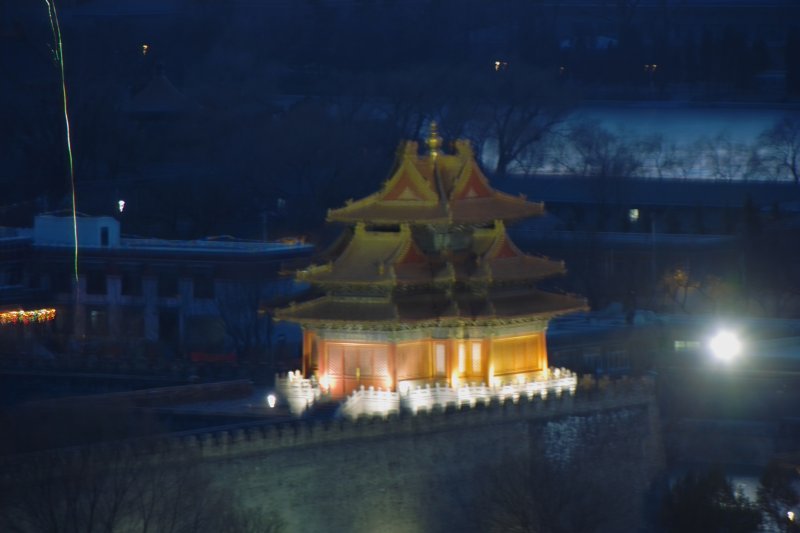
(98, 233)
(9, 236)
(639, 192)
(619, 239)
(212, 245)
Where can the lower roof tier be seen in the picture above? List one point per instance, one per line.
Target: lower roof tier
(437, 308)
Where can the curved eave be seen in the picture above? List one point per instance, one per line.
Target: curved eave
(470, 211)
(525, 269)
(389, 214)
(444, 322)
(349, 313)
(501, 206)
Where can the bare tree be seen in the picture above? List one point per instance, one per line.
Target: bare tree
(589, 485)
(720, 293)
(678, 284)
(725, 158)
(708, 502)
(686, 159)
(116, 490)
(520, 109)
(592, 150)
(777, 496)
(239, 306)
(658, 156)
(778, 150)
(244, 308)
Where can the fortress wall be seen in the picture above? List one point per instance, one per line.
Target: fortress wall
(425, 472)
(410, 473)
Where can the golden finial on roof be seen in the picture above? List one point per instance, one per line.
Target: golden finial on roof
(434, 142)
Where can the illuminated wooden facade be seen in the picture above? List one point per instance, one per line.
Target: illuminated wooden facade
(426, 286)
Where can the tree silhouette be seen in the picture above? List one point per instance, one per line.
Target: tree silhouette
(706, 503)
(778, 150)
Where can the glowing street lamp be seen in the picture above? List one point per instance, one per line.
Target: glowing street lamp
(725, 345)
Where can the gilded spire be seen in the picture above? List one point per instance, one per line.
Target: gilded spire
(434, 142)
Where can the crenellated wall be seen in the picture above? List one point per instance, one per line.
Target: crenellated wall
(423, 472)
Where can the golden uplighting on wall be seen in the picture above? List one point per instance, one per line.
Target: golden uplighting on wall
(325, 383)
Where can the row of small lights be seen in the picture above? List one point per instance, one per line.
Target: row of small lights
(326, 383)
(26, 317)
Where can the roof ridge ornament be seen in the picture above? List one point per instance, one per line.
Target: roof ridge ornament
(434, 141)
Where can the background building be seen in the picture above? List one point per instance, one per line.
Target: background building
(204, 298)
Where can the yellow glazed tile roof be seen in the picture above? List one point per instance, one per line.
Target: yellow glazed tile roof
(427, 189)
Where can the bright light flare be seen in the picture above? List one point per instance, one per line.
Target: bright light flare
(790, 515)
(404, 387)
(325, 382)
(271, 400)
(121, 205)
(725, 345)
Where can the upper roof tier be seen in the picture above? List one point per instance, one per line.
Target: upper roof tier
(436, 188)
(394, 258)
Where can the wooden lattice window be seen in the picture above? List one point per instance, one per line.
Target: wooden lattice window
(476, 358)
(440, 362)
(413, 360)
(517, 354)
(335, 356)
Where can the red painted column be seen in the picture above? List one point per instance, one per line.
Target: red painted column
(393, 365)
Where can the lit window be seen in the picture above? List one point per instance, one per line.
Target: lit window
(462, 357)
(633, 215)
(686, 345)
(476, 357)
(439, 360)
